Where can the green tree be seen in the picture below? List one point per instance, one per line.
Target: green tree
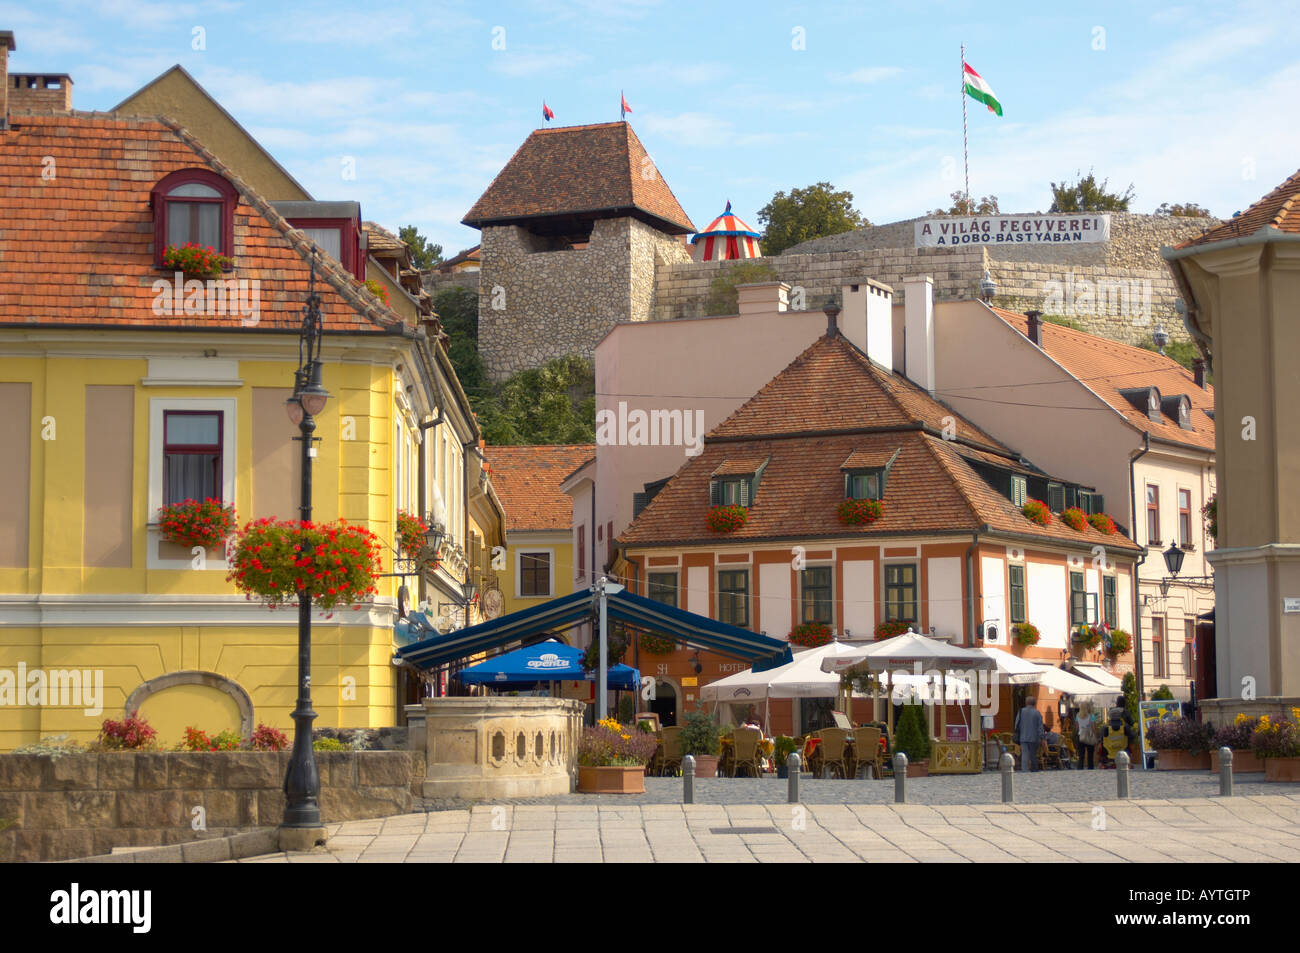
(912, 737)
(457, 309)
(1190, 210)
(425, 253)
(722, 291)
(1184, 352)
(963, 204)
(553, 404)
(1086, 195)
(805, 214)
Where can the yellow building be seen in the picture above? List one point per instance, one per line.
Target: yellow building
(123, 387)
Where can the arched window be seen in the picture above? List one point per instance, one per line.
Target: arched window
(194, 206)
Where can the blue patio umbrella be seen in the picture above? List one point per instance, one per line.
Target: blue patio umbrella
(548, 661)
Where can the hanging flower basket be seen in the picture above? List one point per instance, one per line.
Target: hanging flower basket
(859, 512)
(1074, 518)
(727, 519)
(810, 634)
(1088, 636)
(1026, 633)
(193, 523)
(1036, 511)
(886, 630)
(1119, 643)
(197, 261)
(340, 569)
(656, 644)
(1103, 523)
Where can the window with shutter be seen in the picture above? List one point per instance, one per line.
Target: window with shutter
(1109, 605)
(1017, 579)
(743, 488)
(715, 493)
(1056, 497)
(1078, 600)
(1019, 492)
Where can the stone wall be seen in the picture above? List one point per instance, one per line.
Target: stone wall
(435, 281)
(76, 805)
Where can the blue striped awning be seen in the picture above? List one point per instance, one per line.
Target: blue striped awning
(760, 651)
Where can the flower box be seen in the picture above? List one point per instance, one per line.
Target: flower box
(1074, 518)
(618, 779)
(197, 261)
(1103, 523)
(859, 512)
(1036, 511)
(1282, 769)
(810, 634)
(1244, 761)
(191, 523)
(727, 519)
(1174, 759)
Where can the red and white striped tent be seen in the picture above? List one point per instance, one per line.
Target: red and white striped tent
(726, 237)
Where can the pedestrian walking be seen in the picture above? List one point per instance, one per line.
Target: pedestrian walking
(1029, 734)
(1089, 734)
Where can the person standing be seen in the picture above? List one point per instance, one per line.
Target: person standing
(1088, 736)
(1029, 734)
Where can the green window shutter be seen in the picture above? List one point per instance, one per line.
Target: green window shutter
(715, 493)
(1056, 497)
(744, 492)
(1019, 491)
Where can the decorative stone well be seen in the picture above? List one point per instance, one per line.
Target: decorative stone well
(485, 748)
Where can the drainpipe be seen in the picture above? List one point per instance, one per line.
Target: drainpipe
(1137, 586)
(970, 585)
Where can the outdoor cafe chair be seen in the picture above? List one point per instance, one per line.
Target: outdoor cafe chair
(672, 758)
(745, 753)
(832, 752)
(867, 752)
(1049, 756)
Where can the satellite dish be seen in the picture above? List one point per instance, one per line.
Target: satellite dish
(492, 603)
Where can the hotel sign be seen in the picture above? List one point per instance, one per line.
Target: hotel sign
(955, 231)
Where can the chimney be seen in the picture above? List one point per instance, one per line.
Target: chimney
(867, 320)
(1198, 372)
(7, 45)
(832, 312)
(40, 92)
(763, 297)
(918, 331)
(1035, 329)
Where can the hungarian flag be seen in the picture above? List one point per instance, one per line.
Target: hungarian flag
(547, 114)
(979, 90)
(624, 107)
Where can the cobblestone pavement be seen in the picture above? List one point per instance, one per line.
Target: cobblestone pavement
(1172, 820)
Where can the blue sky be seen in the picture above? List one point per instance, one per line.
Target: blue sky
(1190, 103)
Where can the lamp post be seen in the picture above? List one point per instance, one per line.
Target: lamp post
(302, 781)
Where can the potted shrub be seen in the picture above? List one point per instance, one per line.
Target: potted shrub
(197, 261)
(1276, 741)
(727, 519)
(887, 630)
(1103, 523)
(192, 523)
(859, 512)
(810, 634)
(701, 737)
(1074, 518)
(1181, 744)
(782, 747)
(612, 758)
(1036, 511)
(1237, 736)
(340, 565)
(912, 737)
(1026, 633)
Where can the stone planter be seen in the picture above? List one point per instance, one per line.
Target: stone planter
(618, 779)
(1244, 761)
(1281, 769)
(706, 766)
(1169, 759)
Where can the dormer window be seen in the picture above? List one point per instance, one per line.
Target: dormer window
(1179, 407)
(1145, 399)
(735, 482)
(865, 473)
(194, 206)
(333, 227)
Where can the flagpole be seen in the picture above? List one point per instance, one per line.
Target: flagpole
(965, 146)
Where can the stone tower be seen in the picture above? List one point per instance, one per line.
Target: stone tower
(574, 228)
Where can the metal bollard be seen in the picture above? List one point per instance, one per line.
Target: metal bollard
(1007, 765)
(1225, 772)
(793, 766)
(900, 778)
(688, 779)
(1121, 774)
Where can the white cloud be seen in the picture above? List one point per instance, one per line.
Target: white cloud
(870, 74)
(512, 62)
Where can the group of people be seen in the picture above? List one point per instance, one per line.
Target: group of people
(1099, 738)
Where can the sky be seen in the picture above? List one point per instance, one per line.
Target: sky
(427, 101)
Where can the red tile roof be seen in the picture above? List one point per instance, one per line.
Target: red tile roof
(572, 170)
(1106, 367)
(739, 466)
(78, 248)
(798, 422)
(1279, 209)
(527, 480)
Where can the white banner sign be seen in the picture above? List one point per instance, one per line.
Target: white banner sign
(955, 231)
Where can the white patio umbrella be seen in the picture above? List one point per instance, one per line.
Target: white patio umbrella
(1012, 669)
(1068, 683)
(801, 678)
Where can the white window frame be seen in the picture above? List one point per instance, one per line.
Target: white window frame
(549, 552)
(228, 407)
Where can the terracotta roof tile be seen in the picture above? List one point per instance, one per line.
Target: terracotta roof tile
(867, 459)
(579, 169)
(739, 466)
(1279, 209)
(527, 479)
(78, 248)
(1107, 367)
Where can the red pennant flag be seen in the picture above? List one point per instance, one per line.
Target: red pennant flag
(547, 113)
(625, 108)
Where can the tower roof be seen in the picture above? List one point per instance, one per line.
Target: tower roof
(582, 171)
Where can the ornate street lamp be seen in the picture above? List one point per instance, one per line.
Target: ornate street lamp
(1173, 562)
(302, 781)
